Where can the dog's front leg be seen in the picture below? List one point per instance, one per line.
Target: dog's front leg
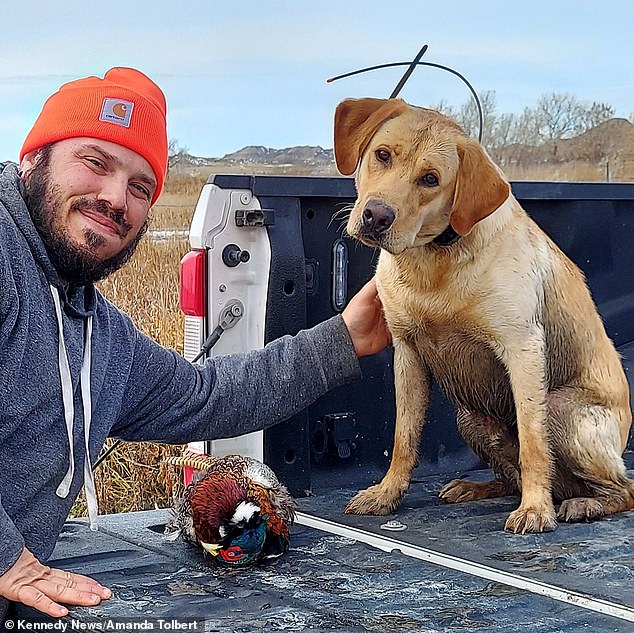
(412, 384)
(526, 366)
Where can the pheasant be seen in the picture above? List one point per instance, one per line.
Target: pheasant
(235, 508)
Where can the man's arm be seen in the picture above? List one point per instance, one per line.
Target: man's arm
(31, 583)
(23, 578)
(169, 399)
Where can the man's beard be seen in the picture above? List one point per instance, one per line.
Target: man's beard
(75, 264)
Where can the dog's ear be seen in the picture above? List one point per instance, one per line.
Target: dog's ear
(480, 187)
(356, 121)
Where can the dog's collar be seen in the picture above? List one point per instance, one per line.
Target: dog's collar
(447, 237)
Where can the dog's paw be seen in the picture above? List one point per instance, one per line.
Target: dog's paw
(458, 491)
(461, 490)
(373, 500)
(531, 520)
(580, 509)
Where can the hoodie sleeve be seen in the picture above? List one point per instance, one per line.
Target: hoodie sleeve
(178, 401)
(11, 543)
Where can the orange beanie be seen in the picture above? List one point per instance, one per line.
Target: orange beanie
(124, 107)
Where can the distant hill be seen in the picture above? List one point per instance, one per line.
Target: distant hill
(300, 160)
(609, 139)
(614, 137)
(307, 154)
(605, 152)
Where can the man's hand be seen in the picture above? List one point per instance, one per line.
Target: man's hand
(35, 585)
(363, 317)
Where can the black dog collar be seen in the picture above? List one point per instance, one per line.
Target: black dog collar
(447, 237)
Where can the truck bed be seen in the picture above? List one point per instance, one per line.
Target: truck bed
(448, 568)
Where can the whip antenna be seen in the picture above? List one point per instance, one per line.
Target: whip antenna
(410, 69)
(408, 72)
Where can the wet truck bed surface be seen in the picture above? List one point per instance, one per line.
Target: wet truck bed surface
(429, 567)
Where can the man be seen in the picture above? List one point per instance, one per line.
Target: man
(74, 370)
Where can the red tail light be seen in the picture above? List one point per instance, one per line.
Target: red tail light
(193, 286)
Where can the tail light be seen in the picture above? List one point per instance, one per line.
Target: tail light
(193, 301)
(197, 448)
(193, 284)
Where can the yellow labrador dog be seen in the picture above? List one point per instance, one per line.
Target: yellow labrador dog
(477, 296)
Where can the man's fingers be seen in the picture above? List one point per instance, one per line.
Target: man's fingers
(59, 586)
(42, 587)
(33, 597)
(69, 580)
(73, 589)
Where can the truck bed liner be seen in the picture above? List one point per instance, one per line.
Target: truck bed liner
(578, 577)
(594, 559)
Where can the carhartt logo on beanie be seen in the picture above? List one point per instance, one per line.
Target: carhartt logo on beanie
(116, 111)
(124, 107)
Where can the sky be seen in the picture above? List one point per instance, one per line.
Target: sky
(242, 72)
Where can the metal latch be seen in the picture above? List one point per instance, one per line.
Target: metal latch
(255, 217)
(334, 433)
(229, 316)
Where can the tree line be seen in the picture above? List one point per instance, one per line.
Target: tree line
(512, 138)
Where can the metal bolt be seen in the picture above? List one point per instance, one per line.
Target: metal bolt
(393, 526)
(236, 310)
(245, 198)
(222, 288)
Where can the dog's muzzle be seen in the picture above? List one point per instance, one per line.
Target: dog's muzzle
(376, 219)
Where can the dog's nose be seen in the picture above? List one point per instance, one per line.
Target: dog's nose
(377, 217)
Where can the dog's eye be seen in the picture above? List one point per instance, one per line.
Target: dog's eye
(428, 180)
(383, 156)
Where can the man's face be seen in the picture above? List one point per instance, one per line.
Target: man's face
(89, 200)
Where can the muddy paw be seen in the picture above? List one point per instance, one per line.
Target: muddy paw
(372, 500)
(580, 509)
(461, 490)
(458, 491)
(532, 520)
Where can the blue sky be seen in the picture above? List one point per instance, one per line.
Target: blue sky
(241, 72)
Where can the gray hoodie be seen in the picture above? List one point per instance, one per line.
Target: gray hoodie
(132, 388)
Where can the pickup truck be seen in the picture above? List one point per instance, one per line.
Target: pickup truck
(269, 257)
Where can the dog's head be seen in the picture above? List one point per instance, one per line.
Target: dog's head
(417, 172)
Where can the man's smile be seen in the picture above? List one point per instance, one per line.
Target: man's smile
(108, 222)
(103, 219)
